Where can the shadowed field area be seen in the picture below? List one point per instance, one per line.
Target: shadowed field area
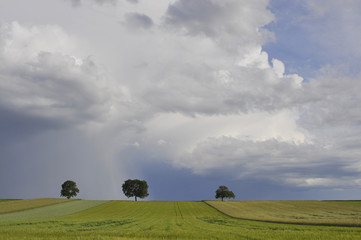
(8, 200)
(340, 213)
(55, 210)
(162, 220)
(7, 206)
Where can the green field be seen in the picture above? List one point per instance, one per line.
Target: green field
(20, 205)
(339, 213)
(50, 211)
(6, 200)
(155, 220)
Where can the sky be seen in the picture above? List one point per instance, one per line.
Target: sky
(261, 96)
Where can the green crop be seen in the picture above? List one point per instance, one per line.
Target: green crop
(7, 200)
(340, 213)
(20, 205)
(54, 210)
(116, 220)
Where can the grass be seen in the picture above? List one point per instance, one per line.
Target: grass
(20, 205)
(56, 210)
(7, 200)
(338, 213)
(162, 220)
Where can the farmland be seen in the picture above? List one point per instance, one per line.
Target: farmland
(8, 206)
(155, 220)
(7, 200)
(340, 213)
(50, 210)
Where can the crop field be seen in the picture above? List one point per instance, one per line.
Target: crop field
(7, 205)
(110, 220)
(340, 213)
(7, 200)
(54, 210)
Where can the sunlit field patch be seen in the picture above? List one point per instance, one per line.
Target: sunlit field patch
(339, 213)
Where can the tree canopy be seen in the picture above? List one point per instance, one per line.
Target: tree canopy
(135, 188)
(224, 192)
(69, 189)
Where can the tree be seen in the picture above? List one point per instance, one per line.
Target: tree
(224, 192)
(135, 188)
(69, 189)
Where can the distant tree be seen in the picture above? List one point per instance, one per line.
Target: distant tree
(224, 192)
(69, 189)
(135, 188)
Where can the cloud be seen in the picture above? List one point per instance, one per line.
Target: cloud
(105, 1)
(16, 126)
(192, 88)
(233, 24)
(39, 80)
(76, 3)
(316, 146)
(215, 71)
(206, 87)
(138, 21)
(57, 109)
(37, 165)
(133, 1)
(302, 165)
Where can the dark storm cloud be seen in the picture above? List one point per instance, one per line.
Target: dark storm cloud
(196, 16)
(45, 90)
(51, 80)
(227, 22)
(303, 165)
(138, 21)
(19, 125)
(37, 165)
(197, 95)
(133, 1)
(105, 1)
(169, 183)
(76, 3)
(47, 84)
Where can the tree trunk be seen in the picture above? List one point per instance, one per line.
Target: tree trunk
(135, 198)
(222, 199)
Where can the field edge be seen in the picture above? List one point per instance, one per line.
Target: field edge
(283, 222)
